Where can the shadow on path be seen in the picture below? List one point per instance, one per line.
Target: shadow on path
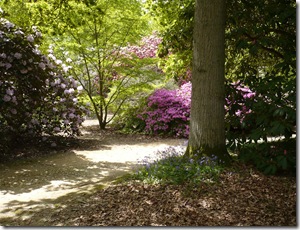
(40, 186)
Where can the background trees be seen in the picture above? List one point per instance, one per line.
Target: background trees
(111, 49)
(97, 39)
(260, 53)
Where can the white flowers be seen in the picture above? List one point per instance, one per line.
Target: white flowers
(9, 96)
(6, 98)
(8, 24)
(69, 91)
(42, 65)
(38, 34)
(8, 65)
(53, 109)
(51, 56)
(3, 55)
(19, 32)
(58, 62)
(18, 55)
(30, 38)
(66, 122)
(56, 129)
(10, 92)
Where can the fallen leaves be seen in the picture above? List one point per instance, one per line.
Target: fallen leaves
(240, 199)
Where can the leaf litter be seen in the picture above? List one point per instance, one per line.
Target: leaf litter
(241, 197)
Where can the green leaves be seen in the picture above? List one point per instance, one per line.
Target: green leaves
(271, 158)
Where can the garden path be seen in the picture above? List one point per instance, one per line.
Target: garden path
(30, 185)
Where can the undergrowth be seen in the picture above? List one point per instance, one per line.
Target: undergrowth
(172, 167)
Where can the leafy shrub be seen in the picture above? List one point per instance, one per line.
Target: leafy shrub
(249, 116)
(274, 110)
(172, 167)
(168, 111)
(35, 96)
(272, 157)
(127, 119)
(238, 103)
(269, 112)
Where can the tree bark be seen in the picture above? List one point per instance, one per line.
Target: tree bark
(207, 125)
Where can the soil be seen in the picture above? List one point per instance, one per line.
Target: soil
(73, 184)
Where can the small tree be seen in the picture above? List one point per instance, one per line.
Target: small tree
(95, 37)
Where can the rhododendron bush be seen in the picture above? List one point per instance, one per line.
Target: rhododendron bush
(36, 97)
(168, 111)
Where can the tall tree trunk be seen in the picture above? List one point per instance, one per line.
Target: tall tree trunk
(207, 127)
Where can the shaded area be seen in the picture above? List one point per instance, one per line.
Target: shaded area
(45, 179)
(68, 186)
(35, 185)
(243, 197)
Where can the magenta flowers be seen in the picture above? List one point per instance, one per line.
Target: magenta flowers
(168, 111)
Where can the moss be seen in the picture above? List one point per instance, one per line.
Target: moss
(204, 150)
(121, 179)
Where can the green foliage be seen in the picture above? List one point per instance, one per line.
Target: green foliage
(173, 168)
(37, 97)
(176, 21)
(178, 66)
(261, 45)
(127, 120)
(93, 37)
(271, 158)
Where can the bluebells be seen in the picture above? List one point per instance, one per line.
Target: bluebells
(172, 167)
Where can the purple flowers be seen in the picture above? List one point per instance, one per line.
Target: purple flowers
(168, 111)
(236, 101)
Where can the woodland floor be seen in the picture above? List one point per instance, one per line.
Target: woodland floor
(74, 186)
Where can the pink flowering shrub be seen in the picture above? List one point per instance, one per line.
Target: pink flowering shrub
(168, 111)
(147, 49)
(238, 106)
(35, 96)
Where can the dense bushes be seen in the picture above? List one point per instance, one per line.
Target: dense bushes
(36, 97)
(271, 157)
(168, 111)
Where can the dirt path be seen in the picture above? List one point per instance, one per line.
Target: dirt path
(31, 185)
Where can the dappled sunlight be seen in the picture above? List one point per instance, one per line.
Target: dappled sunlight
(43, 184)
(123, 153)
(12, 202)
(26, 185)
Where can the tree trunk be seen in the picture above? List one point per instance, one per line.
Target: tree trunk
(207, 125)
